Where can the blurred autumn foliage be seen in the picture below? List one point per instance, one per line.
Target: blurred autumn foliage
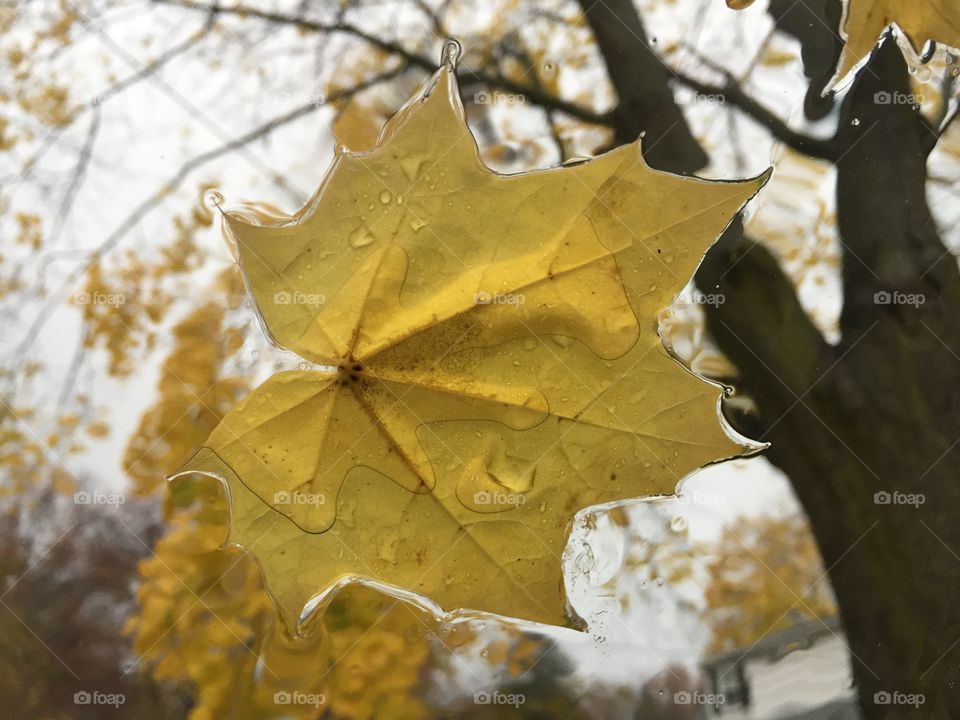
(765, 575)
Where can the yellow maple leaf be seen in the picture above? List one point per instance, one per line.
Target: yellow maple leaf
(486, 358)
(864, 21)
(921, 20)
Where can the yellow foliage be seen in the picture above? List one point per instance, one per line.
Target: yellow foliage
(193, 394)
(8, 15)
(98, 430)
(29, 230)
(50, 105)
(378, 651)
(7, 140)
(29, 461)
(123, 305)
(202, 608)
(498, 365)
(766, 575)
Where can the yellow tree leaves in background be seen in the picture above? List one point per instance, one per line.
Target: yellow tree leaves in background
(43, 98)
(495, 337)
(378, 654)
(765, 576)
(30, 230)
(194, 395)
(202, 609)
(124, 304)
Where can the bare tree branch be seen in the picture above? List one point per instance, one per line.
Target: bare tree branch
(57, 297)
(143, 73)
(498, 82)
(641, 80)
(732, 93)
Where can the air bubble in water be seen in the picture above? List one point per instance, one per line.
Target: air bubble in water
(212, 199)
(450, 54)
(585, 560)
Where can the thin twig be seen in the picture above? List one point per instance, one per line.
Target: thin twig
(733, 94)
(480, 77)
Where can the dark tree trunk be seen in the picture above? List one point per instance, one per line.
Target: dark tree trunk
(877, 413)
(645, 100)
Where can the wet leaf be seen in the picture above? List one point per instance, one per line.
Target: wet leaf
(489, 364)
(921, 20)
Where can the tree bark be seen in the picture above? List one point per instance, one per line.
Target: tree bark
(645, 103)
(814, 24)
(875, 418)
(877, 413)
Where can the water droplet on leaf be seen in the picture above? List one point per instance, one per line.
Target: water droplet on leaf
(361, 237)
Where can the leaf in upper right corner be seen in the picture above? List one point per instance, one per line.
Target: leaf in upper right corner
(921, 20)
(864, 22)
